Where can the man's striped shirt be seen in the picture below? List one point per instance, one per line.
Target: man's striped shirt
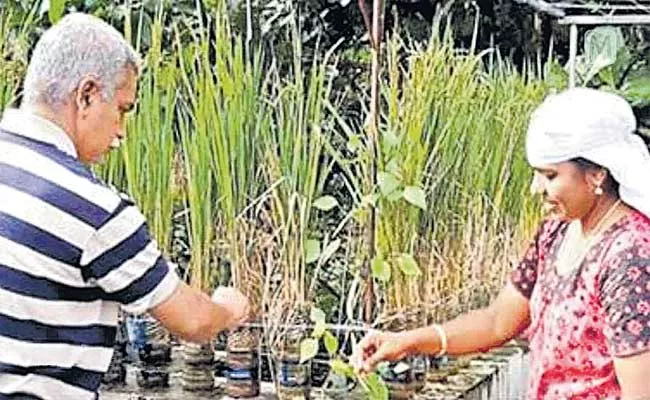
(72, 252)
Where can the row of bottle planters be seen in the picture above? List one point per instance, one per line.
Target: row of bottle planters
(143, 342)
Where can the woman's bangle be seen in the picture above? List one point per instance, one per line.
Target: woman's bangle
(443, 339)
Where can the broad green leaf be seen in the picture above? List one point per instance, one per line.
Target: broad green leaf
(329, 250)
(312, 251)
(308, 349)
(377, 387)
(380, 269)
(325, 203)
(396, 195)
(387, 183)
(319, 330)
(415, 196)
(331, 343)
(317, 315)
(318, 318)
(340, 367)
(408, 265)
(637, 90)
(55, 11)
(393, 167)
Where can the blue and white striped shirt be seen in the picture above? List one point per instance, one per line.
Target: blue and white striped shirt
(72, 251)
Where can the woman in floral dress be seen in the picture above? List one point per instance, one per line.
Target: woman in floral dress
(581, 293)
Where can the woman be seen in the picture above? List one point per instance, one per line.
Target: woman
(582, 290)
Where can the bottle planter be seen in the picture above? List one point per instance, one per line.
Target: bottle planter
(151, 348)
(242, 364)
(197, 374)
(420, 370)
(293, 378)
(293, 381)
(399, 378)
(399, 375)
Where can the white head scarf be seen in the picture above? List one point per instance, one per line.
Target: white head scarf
(599, 127)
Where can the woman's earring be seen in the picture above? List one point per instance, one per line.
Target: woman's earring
(598, 191)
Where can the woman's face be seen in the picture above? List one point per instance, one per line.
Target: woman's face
(567, 189)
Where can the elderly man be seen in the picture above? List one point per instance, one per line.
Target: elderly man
(72, 251)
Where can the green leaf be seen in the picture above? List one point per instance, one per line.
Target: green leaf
(408, 265)
(325, 203)
(387, 183)
(415, 196)
(393, 167)
(308, 349)
(55, 11)
(377, 389)
(380, 269)
(330, 249)
(637, 90)
(319, 330)
(331, 343)
(312, 251)
(396, 195)
(342, 368)
(317, 315)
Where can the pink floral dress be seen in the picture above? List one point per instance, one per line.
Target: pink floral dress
(581, 320)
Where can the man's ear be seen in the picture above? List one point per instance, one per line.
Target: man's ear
(88, 92)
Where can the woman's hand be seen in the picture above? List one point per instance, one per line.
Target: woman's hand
(378, 346)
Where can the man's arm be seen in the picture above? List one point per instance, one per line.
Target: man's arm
(193, 316)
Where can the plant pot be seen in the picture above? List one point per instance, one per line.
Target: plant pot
(116, 374)
(242, 360)
(399, 378)
(147, 376)
(293, 378)
(197, 374)
(151, 349)
(243, 375)
(420, 370)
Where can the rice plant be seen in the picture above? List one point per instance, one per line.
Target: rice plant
(14, 45)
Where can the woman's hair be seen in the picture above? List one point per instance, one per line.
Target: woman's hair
(609, 186)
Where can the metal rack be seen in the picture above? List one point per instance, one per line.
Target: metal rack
(581, 13)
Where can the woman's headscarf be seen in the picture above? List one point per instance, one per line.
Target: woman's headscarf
(599, 127)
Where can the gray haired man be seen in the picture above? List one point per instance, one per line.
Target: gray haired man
(73, 251)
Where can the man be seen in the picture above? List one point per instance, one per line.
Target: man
(72, 251)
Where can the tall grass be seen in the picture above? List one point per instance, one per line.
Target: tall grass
(143, 166)
(196, 126)
(240, 119)
(295, 168)
(14, 45)
(451, 134)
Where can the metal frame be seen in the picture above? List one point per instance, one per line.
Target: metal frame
(584, 15)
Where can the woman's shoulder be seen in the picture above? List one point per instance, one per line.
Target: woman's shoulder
(550, 230)
(630, 241)
(633, 230)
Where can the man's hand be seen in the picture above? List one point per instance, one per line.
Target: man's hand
(234, 302)
(380, 346)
